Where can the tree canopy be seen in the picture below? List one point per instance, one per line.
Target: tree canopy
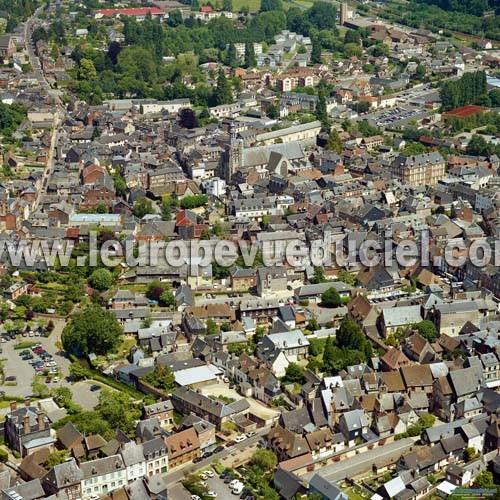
(92, 330)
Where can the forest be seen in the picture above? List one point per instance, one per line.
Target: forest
(474, 7)
(426, 14)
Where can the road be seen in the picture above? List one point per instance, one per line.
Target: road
(59, 112)
(176, 475)
(358, 464)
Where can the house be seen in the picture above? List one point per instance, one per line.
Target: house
(102, 476)
(156, 455)
(65, 478)
(394, 359)
(395, 318)
(27, 429)
(418, 349)
(133, 458)
(7, 46)
(163, 411)
(16, 290)
(271, 280)
(417, 378)
(183, 446)
(353, 425)
(327, 490)
(242, 278)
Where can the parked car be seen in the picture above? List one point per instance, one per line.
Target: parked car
(27, 356)
(55, 379)
(207, 454)
(209, 473)
(230, 443)
(212, 494)
(239, 439)
(250, 434)
(219, 449)
(95, 387)
(197, 459)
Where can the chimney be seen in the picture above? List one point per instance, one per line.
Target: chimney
(13, 406)
(27, 402)
(41, 421)
(27, 427)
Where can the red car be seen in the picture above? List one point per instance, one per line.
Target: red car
(231, 443)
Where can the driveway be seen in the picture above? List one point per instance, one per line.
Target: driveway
(222, 389)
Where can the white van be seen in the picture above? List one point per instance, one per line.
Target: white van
(238, 488)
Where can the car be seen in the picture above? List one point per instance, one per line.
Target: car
(230, 443)
(225, 379)
(209, 473)
(245, 493)
(219, 449)
(51, 364)
(233, 483)
(197, 459)
(250, 434)
(239, 439)
(195, 497)
(11, 378)
(238, 488)
(26, 357)
(55, 379)
(212, 494)
(24, 352)
(48, 380)
(207, 454)
(3, 340)
(228, 479)
(203, 477)
(95, 387)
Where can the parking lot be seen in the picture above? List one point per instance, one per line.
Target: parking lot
(14, 366)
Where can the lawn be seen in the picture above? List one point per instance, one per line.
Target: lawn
(353, 494)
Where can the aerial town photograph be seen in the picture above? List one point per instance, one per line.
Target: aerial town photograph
(249, 249)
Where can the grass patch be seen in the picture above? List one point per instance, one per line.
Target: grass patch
(24, 345)
(125, 347)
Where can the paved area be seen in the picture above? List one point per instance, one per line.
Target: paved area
(25, 374)
(358, 464)
(222, 389)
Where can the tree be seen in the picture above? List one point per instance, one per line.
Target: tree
(334, 142)
(428, 330)
(347, 277)
(265, 459)
(167, 299)
(155, 289)
(78, 372)
(316, 51)
(294, 373)
(426, 421)
(142, 207)
(484, 480)
(194, 201)
(119, 410)
(212, 327)
(477, 146)
(56, 458)
(321, 112)
(267, 5)
(88, 423)
(470, 454)
(86, 70)
(227, 5)
(188, 118)
(329, 355)
(92, 330)
(313, 325)
(331, 298)
(323, 15)
(272, 111)
(231, 56)
(250, 60)
(161, 377)
(222, 92)
(350, 336)
(101, 279)
(319, 275)
(352, 36)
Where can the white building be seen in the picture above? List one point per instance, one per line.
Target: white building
(133, 458)
(102, 476)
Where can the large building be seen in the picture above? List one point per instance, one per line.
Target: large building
(420, 170)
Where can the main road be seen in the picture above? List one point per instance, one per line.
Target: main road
(59, 111)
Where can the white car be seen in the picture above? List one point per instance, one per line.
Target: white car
(195, 497)
(209, 473)
(203, 477)
(233, 483)
(51, 364)
(212, 494)
(55, 379)
(239, 439)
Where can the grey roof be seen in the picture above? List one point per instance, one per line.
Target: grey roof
(466, 381)
(64, 474)
(132, 453)
(404, 315)
(329, 490)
